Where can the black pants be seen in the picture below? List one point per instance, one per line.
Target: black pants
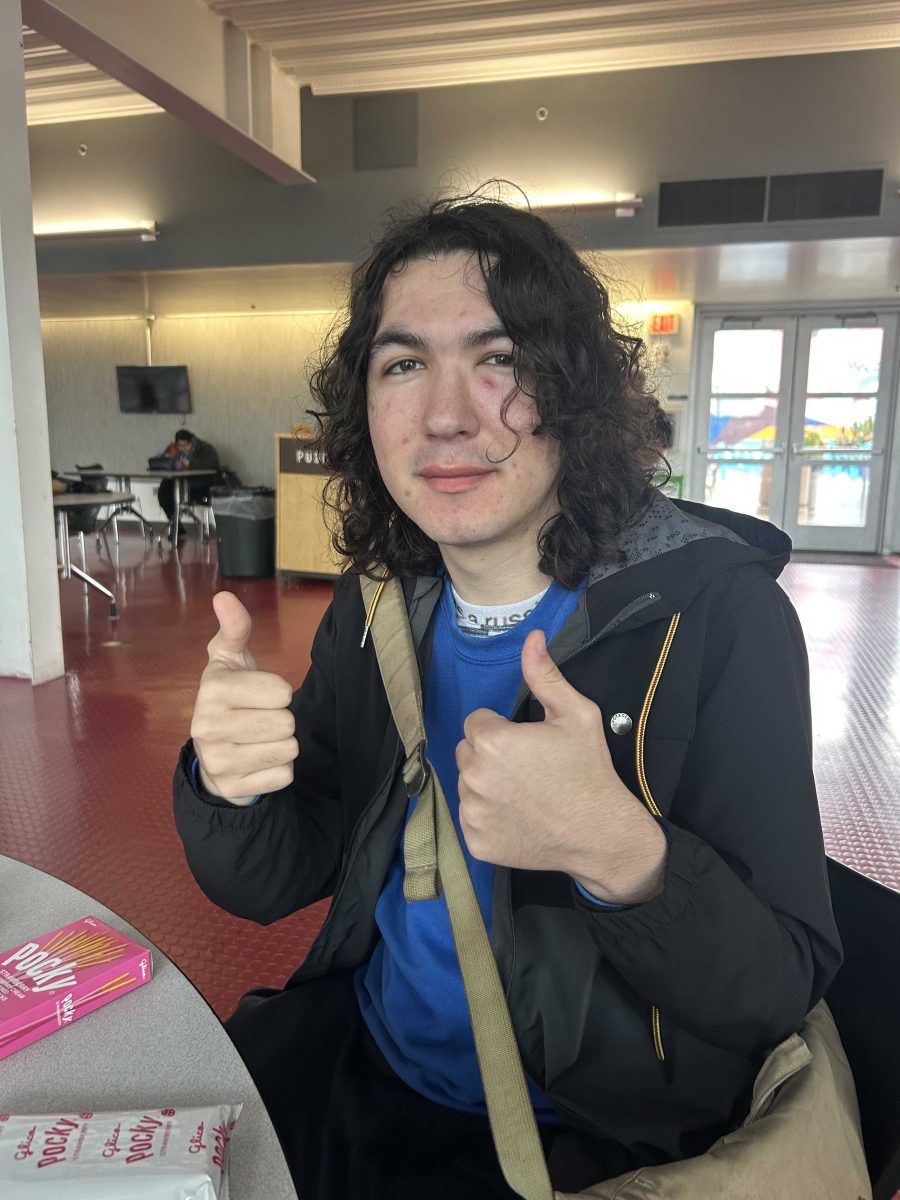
(352, 1130)
(198, 489)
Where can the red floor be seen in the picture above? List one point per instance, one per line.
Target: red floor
(87, 759)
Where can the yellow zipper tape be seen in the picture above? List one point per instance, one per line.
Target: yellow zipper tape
(646, 794)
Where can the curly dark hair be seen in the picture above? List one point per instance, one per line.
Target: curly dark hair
(586, 378)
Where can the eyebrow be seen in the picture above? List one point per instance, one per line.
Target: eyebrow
(395, 335)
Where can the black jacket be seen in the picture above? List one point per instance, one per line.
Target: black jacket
(203, 454)
(645, 1025)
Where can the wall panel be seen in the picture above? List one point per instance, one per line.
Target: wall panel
(247, 374)
(82, 404)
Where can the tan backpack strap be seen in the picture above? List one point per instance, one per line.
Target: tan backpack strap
(400, 674)
(509, 1106)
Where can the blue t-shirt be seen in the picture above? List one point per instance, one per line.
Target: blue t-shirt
(410, 992)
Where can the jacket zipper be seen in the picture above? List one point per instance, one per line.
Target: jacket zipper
(646, 794)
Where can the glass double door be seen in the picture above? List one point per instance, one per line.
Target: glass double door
(794, 419)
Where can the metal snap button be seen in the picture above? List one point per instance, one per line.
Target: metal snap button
(620, 723)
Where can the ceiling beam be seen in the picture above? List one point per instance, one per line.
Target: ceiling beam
(336, 46)
(195, 65)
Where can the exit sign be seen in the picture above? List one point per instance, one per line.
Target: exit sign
(663, 323)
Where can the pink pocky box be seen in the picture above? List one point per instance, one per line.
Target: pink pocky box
(54, 979)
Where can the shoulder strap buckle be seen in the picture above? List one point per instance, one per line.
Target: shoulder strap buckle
(415, 771)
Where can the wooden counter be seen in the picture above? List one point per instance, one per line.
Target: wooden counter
(303, 546)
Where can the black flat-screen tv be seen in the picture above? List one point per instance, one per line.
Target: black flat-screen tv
(153, 389)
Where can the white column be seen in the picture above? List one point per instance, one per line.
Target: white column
(30, 631)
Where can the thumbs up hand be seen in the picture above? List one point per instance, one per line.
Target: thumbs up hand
(242, 727)
(545, 796)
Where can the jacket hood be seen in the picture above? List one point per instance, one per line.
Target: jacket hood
(773, 543)
(673, 549)
(665, 525)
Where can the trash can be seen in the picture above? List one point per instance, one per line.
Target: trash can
(245, 530)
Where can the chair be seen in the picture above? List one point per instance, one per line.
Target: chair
(84, 520)
(224, 477)
(865, 1002)
(199, 509)
(201, 503)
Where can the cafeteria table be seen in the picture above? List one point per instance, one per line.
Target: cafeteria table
(124, 480)
(160, 1045)
(61, 505)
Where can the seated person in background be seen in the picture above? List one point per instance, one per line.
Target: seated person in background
(188, 453)
(658, 906)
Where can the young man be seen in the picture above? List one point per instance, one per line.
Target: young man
(637, 807)
(188, 452)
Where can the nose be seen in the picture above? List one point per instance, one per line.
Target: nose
(449, 410)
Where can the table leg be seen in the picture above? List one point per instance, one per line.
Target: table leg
(62, 538)
(83, 557)
(179, 500)
(113, 610)
(69, 569)
(123, 483)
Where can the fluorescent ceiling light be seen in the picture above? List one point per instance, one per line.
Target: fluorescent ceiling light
(147, 231)
(621, 204)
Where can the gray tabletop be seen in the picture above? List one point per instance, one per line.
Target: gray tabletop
(146, 473)
(90, 500)
(159, 1045)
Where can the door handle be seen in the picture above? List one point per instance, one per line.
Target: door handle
(842, 452)
(775, 450)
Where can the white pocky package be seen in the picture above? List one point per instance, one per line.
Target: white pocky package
(150, 1154)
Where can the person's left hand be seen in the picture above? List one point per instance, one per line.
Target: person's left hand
(545, 796)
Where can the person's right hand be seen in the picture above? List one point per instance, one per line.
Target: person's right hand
(242, 727)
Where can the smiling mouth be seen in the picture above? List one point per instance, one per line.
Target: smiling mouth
(453, 479)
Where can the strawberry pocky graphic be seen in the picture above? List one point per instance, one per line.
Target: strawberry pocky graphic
(169, 1153)
(55, 978)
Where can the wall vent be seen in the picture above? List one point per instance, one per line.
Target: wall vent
(824, 196)
(712, 201)
(818, 196)
(385, 131)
